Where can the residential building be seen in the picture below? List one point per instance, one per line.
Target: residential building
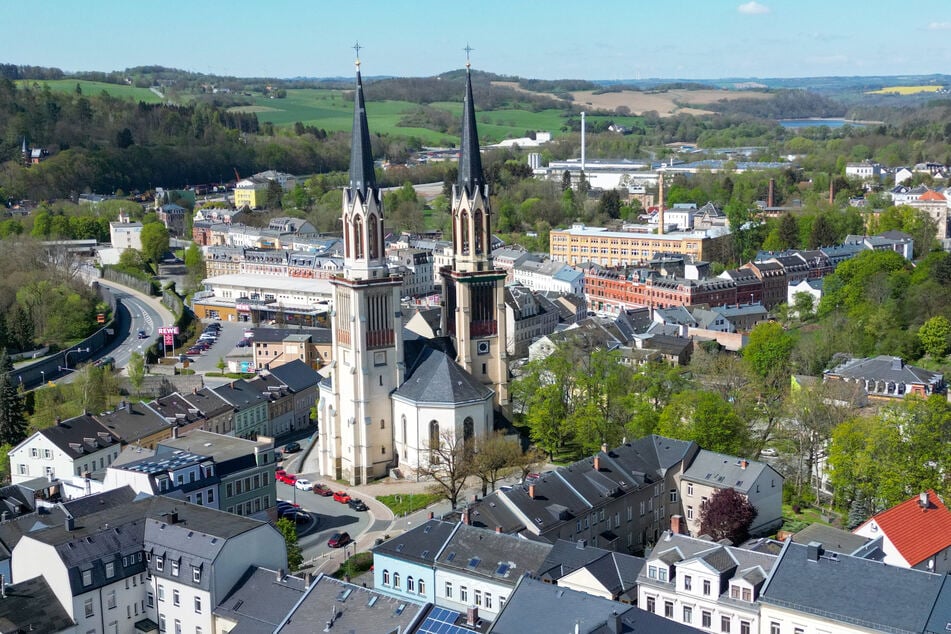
(260, 602)
(292, 389)
(596, 571)
(416, 268)
(173, 217)
(548, 275)
(758, 482)
(529, 316)
(273, 347)
(915, 534)
(887, 377)
(125, 235)
(772, 275)
(935, 204)
(811, 288)
(864, 171)
(811, 590)
(404, 566)
(78, 446)
(216, 412)
(137, 423)
(703, 584)
(250, 417)
(31, 606)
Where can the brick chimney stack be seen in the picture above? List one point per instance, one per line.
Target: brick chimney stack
(531, 491)
(676, 524)
(465, 516)
(660, 204)
(771, 193)
(597, 463)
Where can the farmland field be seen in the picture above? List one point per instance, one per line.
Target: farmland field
(905, 90)
(96, 87)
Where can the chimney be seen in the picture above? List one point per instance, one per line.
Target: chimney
(581, 544)
(308, 579)
(813, 550)
(531, 491)
(280, 575)
(604, 447)
(173, 517)
(582, 144)
(465, 516)
(175, 431)
(3, 587)
(660, 204)
(498, 529)
(70, 523)
(472, 616)
(128, 407)
(597, 463)
(615, 626)
(676, 524)
(923, 500)
(194, 390)
(430, 515)
(744, 463)
(771, 193)
(831, 189)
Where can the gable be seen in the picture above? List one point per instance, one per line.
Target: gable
(582, 578)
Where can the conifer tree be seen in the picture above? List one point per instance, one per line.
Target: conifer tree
(12, 420)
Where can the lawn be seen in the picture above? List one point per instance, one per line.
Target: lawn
(355, 565)
(96, 87)
(409, 503)
(795, 522)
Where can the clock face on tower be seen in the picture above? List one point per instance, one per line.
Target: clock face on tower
(482, 347)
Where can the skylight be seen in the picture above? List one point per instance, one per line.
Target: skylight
(474, 562)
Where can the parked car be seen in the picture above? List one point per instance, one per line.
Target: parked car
(280, 473)
(105, 362)
(357, 505)
(323, 490)
(304, 484)
(297, 515)
(342, 497)
(292, 447)
(283, 505)
(286, 478)
(769, 452)
(338, 540)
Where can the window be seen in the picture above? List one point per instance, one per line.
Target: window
(673, 495)
(229, 490)
(196, 575)
(688, 615)
(734, 592)
(87, 577)
(198, 606)
(175, 568)
(689, 512)
(706, 619)
(161, 622)
(410, 585)
(642, 508)
(463, 594)
(178, 626)
(706, 587)
(662, 574)
(160, 563)
(501, 602)
(744, 627)
(747, 594)
(478, 597)
(774, 628)
(176, 598)
(690, 488)
(421, 584)
(211, 496)
(110, 569)
(386, 577)
(688, 582)
(151, 600)
(448, 590)
(669, 609)
(651, 604)
(725, 624)
(396, 580)
(799, 630)
(161, 592)
(652, 572)
(111, 600)
(88, 608)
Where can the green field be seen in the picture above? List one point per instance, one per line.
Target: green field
(95, 88)
(332, 110)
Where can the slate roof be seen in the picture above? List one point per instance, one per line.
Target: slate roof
(79, 436)
(436, 378)
(240, 394)
(838, 587)
(723, 471)
(485, 553)
(535, 606)
(352, 608)
(421, 544)
(916, 532)
(260, 600)
(835, 539)
(940, 619)
(209, 403)
(296, 375)
(471, 177)
(886, 368)
(32, 606)
(362, 176)
(276, 335)
(133, 421)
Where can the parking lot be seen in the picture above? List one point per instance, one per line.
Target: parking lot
(229, 335)
(331, 517)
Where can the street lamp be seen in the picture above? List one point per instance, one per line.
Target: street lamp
(66, 356)
(43, 372)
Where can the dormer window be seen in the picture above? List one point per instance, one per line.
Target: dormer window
(159, 563)
(196, 575)
(175, 568)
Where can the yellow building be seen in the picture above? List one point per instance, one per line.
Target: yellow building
(625, 248)
(250, 193)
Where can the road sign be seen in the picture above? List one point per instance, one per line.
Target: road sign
(168, 330)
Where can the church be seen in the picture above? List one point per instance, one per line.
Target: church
(393, 396)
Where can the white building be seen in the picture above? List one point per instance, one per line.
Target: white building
(864, 171)
(125, 235)
(549, 275)
(75, 447)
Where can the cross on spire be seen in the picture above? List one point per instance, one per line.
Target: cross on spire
(357, 47)
(468, 49)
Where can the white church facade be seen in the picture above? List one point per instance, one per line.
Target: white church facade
(393, 396)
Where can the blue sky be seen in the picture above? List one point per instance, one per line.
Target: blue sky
(545, 39)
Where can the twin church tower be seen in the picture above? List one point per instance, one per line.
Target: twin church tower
(390, 399)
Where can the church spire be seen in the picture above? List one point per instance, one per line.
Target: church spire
(470, 160)
(362, 177)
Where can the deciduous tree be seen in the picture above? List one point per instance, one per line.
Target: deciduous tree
(155, 241)
(727, 514)
(449, 464)
(295, 556)
(935, 336)
(707, 419)
(496, 456)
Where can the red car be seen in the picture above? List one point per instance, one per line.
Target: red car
(323, 489)
(285, 477)
(342, 497)
(337, 540)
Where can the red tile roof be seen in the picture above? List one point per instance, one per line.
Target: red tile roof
(932, 195)
(917, 533)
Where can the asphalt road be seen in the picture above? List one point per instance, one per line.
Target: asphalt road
(331, 516)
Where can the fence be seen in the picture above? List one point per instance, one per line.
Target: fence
(143, 286)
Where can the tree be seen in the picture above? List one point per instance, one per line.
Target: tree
(132, 260)
(727, 514)
(495, 456)
(610, 204)
(155, 239)
(20, 328)
(707, 419)
(221, 365)
(858, 513)
(768, 348)
(566, 180)
(788, 231)
(12, 419)
(194, 265)
(295, 556)
(823, 234)
(136, 370)
(935, 336)
(449, 465)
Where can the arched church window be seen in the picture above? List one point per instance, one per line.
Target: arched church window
(373, 238)
(358, 237)
(403, 424)
(477, 226)
(464, 231)
(468, 428)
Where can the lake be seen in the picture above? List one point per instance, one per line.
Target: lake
(809, 123)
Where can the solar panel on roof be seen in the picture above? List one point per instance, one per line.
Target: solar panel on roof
(442, 621)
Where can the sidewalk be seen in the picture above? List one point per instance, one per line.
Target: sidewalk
(165, 313)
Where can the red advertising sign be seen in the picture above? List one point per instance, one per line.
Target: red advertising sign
(169, 339)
